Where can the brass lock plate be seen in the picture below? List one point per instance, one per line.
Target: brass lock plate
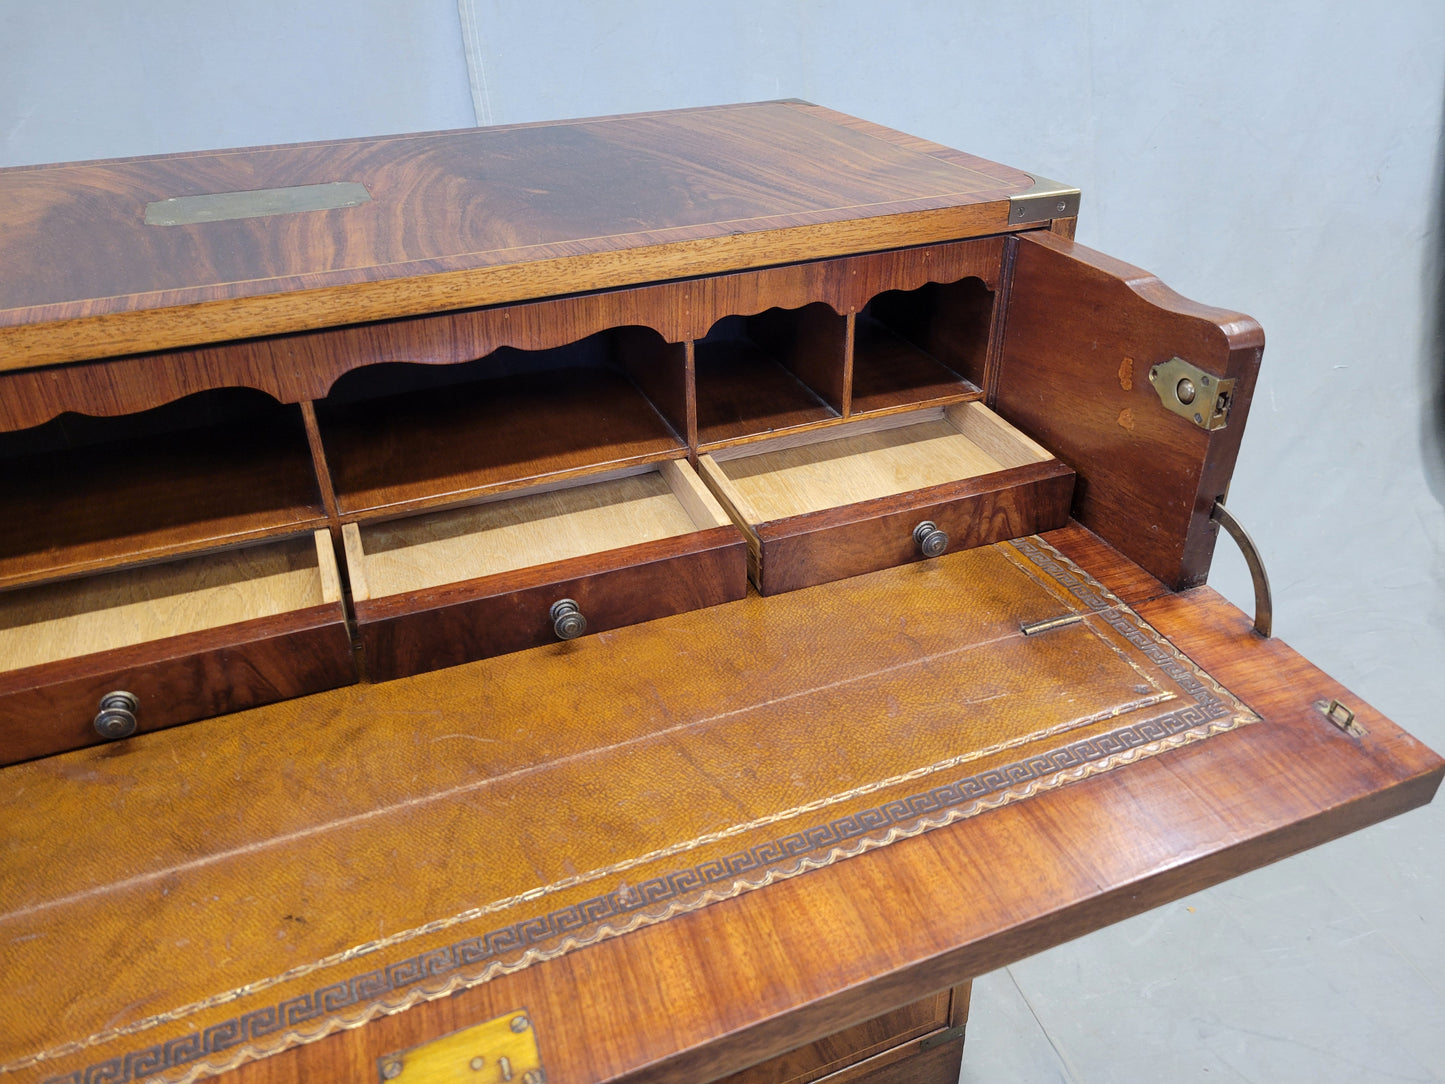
(1192, 393)
(499, 1051)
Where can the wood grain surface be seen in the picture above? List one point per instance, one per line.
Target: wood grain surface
(736, 983)
(1082, 332)
(50, 708)
(304, 365)
(428, 629)
(85, 494)
(459, 219)
(452, 442)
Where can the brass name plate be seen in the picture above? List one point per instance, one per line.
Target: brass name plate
(224, 206)
(499, 1051)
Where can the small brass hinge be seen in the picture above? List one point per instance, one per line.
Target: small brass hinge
(1341, 716)
(938, 1038)
(499, 1051)
(1033, 628)
(1044, 202)
(1192, 393)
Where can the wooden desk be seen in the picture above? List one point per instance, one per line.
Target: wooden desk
(1000, 311)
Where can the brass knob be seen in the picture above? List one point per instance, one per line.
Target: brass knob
(116, 718)
(930, 539)
(567, 620)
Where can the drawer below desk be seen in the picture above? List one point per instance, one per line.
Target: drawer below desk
(144, 648)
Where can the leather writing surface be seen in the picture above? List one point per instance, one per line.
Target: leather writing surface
(422, 836)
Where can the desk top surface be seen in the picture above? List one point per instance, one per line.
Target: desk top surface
(228, 244)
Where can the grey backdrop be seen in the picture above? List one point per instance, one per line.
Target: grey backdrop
(1284, 160)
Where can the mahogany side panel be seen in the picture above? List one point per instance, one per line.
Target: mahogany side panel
(835, 543)
(1083, 332)
(304, 365)
(50, 708)
(493, 615)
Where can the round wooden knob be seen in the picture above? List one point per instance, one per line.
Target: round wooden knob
(930, 539)
(567, 620)
(116, 718)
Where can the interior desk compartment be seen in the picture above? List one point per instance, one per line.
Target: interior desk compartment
(169, 643)
(448, 587)
(83, 493)
(885, 491)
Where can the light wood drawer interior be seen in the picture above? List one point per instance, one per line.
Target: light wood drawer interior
(663, 500)
(883, 457)
(74, 618)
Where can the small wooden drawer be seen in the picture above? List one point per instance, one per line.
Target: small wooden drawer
(832, 503)
(185, 640)
(448, 587)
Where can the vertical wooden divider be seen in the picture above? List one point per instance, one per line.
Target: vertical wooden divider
(333, 517)
(689, 367)
(850, 330)
(318, 464)
(998, 322)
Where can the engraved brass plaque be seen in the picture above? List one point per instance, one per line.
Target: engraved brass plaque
(499, 1051)
(224, 206)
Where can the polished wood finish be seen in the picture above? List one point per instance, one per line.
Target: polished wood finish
(50, 708)
(744, 980)
(192, 639)
(491, 615)
(86, 494)
(890, 1040)
(621, 207)
(835, 543)
(695, 282)
(1082, 332)
(833, 503)
(453, 442)
(304, 365)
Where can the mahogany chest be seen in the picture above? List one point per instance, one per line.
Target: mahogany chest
(545, 512)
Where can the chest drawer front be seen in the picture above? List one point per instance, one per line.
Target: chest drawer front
(930, 482)
(186, 640)
(468, 583)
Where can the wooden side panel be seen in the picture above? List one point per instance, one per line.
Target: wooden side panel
(1082, 332)
(427, 630)
(818, 547)
(50, 708)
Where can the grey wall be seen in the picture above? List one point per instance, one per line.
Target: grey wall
(1284, 159)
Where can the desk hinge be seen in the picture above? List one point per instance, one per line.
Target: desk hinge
(1045, 201)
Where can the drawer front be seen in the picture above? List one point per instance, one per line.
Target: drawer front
(52, 707)
(849, 541)
(493, 615)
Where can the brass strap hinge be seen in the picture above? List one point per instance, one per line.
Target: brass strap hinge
(1263, 601)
